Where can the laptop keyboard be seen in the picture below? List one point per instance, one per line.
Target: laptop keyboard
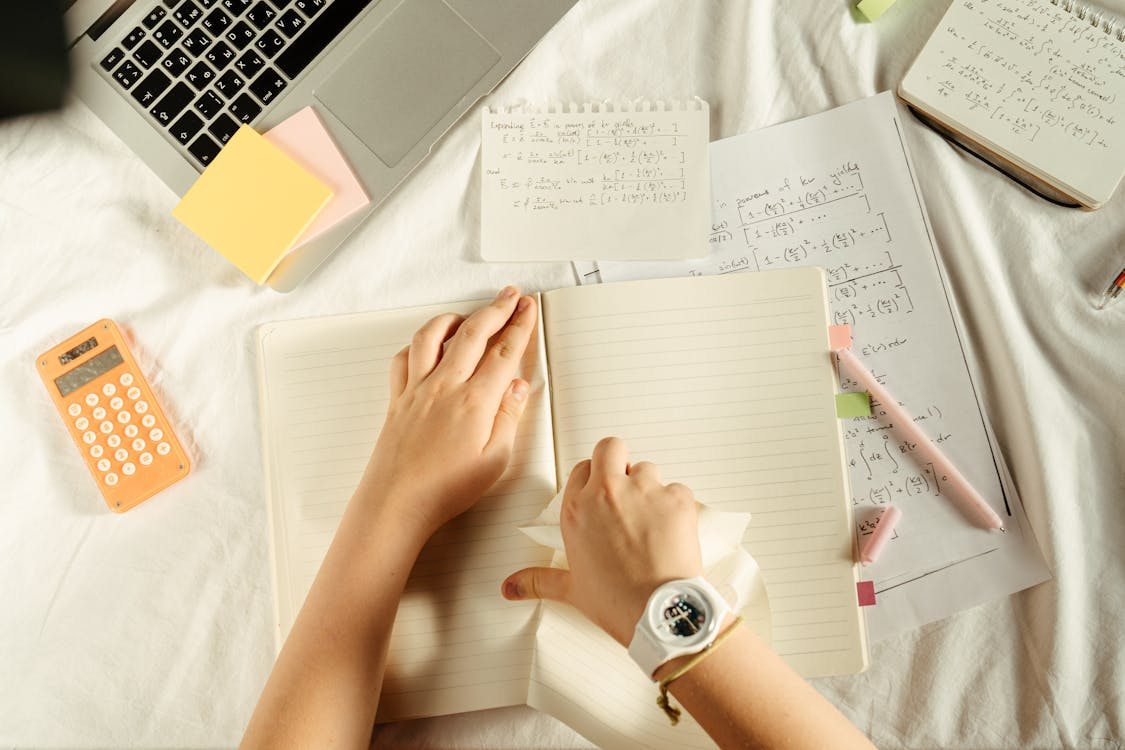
(201, 68)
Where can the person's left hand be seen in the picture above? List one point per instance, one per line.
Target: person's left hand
(455, 403)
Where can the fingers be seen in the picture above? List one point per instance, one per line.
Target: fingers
(425, 347)
(466, 348)
(644, 470)
(537, 583)
(610, 458)
(501, 361)
(508, 416)
(399, 372)
(579, 476)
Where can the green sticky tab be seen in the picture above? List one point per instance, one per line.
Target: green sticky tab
(872, 9)
(853, 405)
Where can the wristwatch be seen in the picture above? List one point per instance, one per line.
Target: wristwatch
(682, 617)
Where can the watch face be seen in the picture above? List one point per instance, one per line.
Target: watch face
(684, 616)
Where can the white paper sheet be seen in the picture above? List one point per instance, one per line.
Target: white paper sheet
(837, 190)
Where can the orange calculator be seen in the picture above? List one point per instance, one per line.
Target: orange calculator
(113, 416)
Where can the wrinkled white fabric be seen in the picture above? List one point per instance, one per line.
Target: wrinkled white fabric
(153, 629)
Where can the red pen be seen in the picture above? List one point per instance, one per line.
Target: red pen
(1114, 290)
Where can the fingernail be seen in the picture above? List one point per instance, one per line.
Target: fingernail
(506, 292)
(511, 590)
(519, 390)
(523, 303)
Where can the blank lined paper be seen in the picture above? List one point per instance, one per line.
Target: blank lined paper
(726, 384)
(457, 644)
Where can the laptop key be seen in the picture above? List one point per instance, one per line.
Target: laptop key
(200, 76)
(309, 7)
(281, 4)
(196, 42)
(151, 87)
(223, 128)
(187, 14)
(318, 35)
(127, 74)
(173, 103)
(290, 23)
(270, 43)
(244, 108)
(216, 21)
(220, 55)
(167, 34)
(240, 35)
(209, 105)
(148, 54)
(249, 64)
(236, 6)
(230, 83)
(268, 85)
(185, 128)
(134, 38)
(154, 17)
(109, 62)
(204, 150)
(261, 15)
(175, 63)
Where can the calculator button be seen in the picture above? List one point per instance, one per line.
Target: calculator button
(123, 417)
(106, 427)
(156, 434)
(128, 469)
(113, 441)
(148, 420)
(126, 380)
(81, 423)
(140, 407)
(91, 399)
(99, 413)
(96, 451)
(111, 479)
(134, 393)
(74, 410)
(104, 464)
(116, 403)
(163, 449)
(131, 431)
(146, 458)
(138, 445)
(88, 437)
(109, 389)
(121, 454)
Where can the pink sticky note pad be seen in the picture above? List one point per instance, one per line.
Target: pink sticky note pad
(305, 140)
(865, 590)
(840, 337)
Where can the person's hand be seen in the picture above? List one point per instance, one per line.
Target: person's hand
(625, 533)
(455, 403)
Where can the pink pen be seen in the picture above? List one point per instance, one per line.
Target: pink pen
(971, 502)
(877, 540)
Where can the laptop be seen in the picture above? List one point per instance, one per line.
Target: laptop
(175, 78)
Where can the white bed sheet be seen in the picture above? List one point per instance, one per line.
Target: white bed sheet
(153, 629)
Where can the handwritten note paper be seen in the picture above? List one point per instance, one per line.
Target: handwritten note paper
(836, 190)
(628, 183)
(1041, 85)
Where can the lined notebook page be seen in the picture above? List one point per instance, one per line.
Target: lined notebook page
(457, 644)
(726, 383)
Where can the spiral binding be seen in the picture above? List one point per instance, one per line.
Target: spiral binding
(607, 106)
(1098, 18)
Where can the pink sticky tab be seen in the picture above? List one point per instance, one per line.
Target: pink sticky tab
(865, 590)
(840, 337)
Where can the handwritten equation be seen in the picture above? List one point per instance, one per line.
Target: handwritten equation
(1030, 68)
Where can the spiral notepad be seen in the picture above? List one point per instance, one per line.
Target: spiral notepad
(1036, 87)
(622, 181)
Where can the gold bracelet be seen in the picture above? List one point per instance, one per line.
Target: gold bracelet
(671, 711)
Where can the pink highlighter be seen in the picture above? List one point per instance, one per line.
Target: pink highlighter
(884, 529)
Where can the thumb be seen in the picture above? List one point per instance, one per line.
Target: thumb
(508, 415)
(537, 583)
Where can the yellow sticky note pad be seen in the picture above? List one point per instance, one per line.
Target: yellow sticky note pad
(252, 203)
(872, 9)
(853, 404)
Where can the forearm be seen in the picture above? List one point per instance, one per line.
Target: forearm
(745, 696)
(324, 688)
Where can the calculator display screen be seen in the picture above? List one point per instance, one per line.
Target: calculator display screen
(84, 373)
(78, 351)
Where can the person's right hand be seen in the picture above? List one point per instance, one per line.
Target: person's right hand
(625, 533)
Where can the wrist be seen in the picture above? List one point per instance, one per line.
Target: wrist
(672, 666)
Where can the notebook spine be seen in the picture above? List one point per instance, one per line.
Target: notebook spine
(1096, 17)
(607, 106)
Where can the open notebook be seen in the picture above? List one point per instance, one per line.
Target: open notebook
(725, 382)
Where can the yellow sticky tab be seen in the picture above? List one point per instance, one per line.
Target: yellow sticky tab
(853, 405)
(872, 9)
(252, 203)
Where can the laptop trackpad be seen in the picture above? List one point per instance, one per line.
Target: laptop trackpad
(405, 76)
